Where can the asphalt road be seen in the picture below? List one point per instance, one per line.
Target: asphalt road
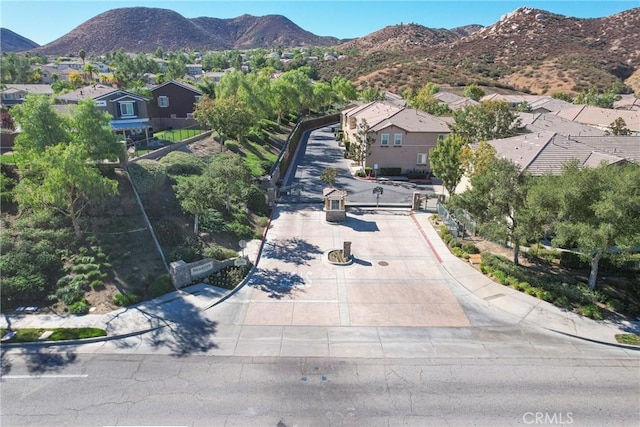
(319, 150)
(130, 389)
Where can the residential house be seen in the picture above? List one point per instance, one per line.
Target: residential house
(512, 100)
(194, 69)
(71, 65)
(172, 105)
(545, 152)
(453, 101)
(601, 118)
(129, 110)
(401, 137)
(548, 122)
(214, 75)
(14, 94)
(545, 104)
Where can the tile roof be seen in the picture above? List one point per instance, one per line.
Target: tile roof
(545, 152)
(538, 122)
(87, 92)
(412, 120)
(41, 89)
(601, 117)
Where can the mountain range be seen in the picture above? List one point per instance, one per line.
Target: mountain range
(528, 48)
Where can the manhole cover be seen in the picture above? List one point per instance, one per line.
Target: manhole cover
(383, 263)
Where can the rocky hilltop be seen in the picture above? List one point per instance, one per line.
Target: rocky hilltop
(142, 29)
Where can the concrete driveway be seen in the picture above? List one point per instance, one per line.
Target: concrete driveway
(393, 281)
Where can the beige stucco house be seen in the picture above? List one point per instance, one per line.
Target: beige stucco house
(401, 137)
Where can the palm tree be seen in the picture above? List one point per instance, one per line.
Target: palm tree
(208, 88)
(89, 70)
(82, 54)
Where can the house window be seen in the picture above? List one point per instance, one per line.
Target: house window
(397, 139)
(441, 137)
(101, 103)
(126, 109)
(421, 159)
(189, 115)
(335, 205)
(384, 139)
(198, 98)
(163, 101)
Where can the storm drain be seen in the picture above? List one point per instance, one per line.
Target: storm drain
(383, 263)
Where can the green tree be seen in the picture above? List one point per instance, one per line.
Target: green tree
(425, 99)
(323, 95)
(619, 127)
(227, 116)
(592, 209)
(371, 93)
(497, 200)
(599, 99)
(344, 89)
(207, 87)
(89, 70)
(63, 180)
(229, 176)
(489, 120)
(447, 163)
(329, 175)
(360, 150)
(91, 130)
(479, 159)
(474, 92)
(82, 54)
(41, 126)
(562, 96)
(75, 78)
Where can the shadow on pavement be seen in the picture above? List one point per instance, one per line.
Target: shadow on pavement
(293, 250)
(179, 325)
(357, 224)
(277, 284)
(42, 360)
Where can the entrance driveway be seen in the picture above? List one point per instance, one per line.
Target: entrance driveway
(319, 150)
(393, 281)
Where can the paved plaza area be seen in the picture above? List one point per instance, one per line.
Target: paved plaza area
(394, 279)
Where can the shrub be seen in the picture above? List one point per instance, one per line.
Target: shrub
(262, 221)
(219, 253)
(161, 286)
(148, 175)
(123, 300)
(591, 311)
(266, 166)
(80, 307)
(241, 231)
(470, 248)
(70, 293)
(232, 146)
(511, 280)
(186, 252)
(180, 163)
(256, 200)
(499, 276)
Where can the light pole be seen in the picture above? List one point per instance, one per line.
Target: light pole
(378, 192)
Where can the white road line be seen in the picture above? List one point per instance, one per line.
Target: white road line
(36, 376)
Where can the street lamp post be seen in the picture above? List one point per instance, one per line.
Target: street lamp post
(378, 192)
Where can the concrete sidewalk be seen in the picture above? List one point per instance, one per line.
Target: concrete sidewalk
(522, 306)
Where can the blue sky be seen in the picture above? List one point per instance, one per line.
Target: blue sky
(45, 21)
